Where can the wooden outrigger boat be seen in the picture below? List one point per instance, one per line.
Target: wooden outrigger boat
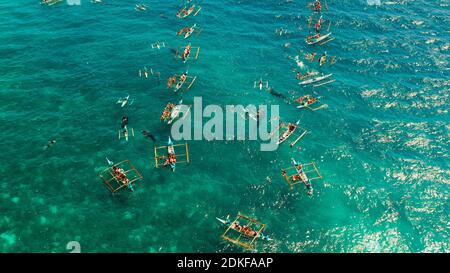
(171, 158)
(186, 53)
(141, 7)
(260, 84)
(307, 101)
(188, 31)
(291, 129)
(125, 133)
(182, 82)
(183, 13)
(321, 39)
(303, 173)
(158, 45)
(171, 112)
(119, 176)
(315, 79)
(147, 72)
(124, 101)
(167, 111)
(244, 234)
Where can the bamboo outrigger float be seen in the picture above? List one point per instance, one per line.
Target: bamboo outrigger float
(244, 235)
(186, 53)
(290, 129)
(171, 158)
(120, 175)
(303, 173)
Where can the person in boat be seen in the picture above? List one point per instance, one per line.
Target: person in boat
(181, 31)
(171, 81)
(183, 77)
(317, 6)
(120, 175)
(306, 100)
(302, 176)
(311, 38)
(186, 52)
(167, 111)
(291, 127)
(124, 122)
(171, 160)
(236, 226)
(149, 135)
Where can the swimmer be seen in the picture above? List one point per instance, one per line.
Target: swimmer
(50, 144)
(124, 122)
(323, 59)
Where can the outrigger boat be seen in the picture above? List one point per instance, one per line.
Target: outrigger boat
(183, 13)
(176, 112)
(244, 235)
(304, 173)
(306, 102)
(50, 2)
(124, 101)
(171, 158)
(140, 7)
(291, 128)
(158, 45)
(289, 131)
(184, 54)
(188, 31)
(314, 39)
(182, 82)
(119, 176)
(316, 79)
(125, 133)
(145, 72)
(172, 111)
(260, 84)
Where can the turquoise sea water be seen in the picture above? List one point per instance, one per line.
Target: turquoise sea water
(382, 145)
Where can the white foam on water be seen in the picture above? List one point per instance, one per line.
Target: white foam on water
(74, 2)
(374, 2)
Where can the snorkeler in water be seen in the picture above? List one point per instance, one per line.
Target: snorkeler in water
(124, 122)
(50, 144)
